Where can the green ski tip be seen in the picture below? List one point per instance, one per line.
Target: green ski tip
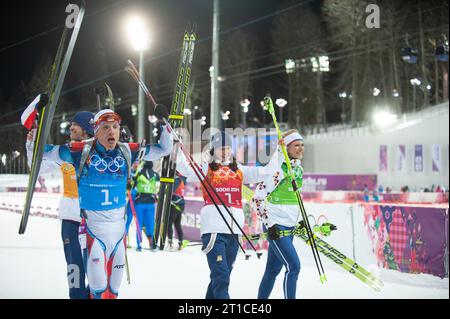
(185, 243)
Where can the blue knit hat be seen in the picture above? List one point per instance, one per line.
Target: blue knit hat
(85, 120)
(221, 139)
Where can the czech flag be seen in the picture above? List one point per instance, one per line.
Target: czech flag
(29, 115)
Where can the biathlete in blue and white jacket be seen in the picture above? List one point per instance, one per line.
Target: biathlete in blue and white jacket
(103, 166)
(277, 207)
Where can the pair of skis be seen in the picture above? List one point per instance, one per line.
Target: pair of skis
(325, 248)
(168, 169)
(58, 73)
(342, 260)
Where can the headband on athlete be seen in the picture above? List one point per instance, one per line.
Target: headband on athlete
(292, 138)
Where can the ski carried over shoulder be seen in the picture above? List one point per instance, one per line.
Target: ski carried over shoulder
(46, 113)
(323, 247)
(168, 168)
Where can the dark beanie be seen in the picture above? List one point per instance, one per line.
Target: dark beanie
(84, 119)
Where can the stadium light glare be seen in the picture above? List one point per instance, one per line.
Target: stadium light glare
(384, 118)
(245, 103)
(137, 33)
(415, 81)
(281, 102)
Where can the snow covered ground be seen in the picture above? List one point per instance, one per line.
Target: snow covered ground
(33, 266)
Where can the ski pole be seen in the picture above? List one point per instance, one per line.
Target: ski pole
(127, 266)
(130, 198)
(193, 163)
(269, 105)
(218, 209)
(133, 211)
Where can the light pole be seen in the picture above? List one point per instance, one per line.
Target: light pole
(139, 38)
(414, 82)
(292, 67)
(375, 92)
(263, 106)
(320, 64)
(281, 104)
(187, 113)
(214, 69)
(244, 104)
(343, 95)
(225, 117)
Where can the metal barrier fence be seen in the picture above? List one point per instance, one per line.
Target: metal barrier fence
(13, 165)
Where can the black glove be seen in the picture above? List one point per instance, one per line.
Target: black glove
(301, 224)
(129, 186)
(43, 101)
(272, 233)
(161, 112)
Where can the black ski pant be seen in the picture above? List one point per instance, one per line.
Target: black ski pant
(175, 220)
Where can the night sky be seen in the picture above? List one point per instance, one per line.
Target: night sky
(104, 22)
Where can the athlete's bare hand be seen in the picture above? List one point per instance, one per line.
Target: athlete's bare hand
(31, 134)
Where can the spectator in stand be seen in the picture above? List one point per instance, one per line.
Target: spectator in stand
(366, 196)
(438, 189)
(380, 189)
(376, 198)
(388, 190)
(405, 189)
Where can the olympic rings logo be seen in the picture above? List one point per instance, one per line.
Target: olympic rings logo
(107, 163)
(225, 172)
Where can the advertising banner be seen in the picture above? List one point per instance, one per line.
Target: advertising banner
(436, 157)
(404, 238)
(418, 158)
(401, 158)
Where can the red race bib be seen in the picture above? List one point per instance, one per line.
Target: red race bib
(227, 184)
